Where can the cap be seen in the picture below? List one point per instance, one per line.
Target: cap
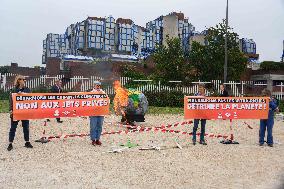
(97, 83)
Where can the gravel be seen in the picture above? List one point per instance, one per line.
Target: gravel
(75, 163)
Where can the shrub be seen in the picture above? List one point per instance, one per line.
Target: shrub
(41, 89)
(165, 98)
(270, 65)
(281, 106)
(4, 95)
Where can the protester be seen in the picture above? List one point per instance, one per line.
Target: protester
(20, 88)
(96, 122)
(267, 124)
(57, 88)
(224, 92)
(201, 89)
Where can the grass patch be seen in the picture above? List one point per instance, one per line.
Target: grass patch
(164, 110)
(4, 106)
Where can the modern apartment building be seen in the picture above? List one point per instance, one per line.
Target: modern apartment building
(101, 37)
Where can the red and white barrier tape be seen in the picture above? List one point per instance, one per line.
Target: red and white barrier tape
(140, 129)
(133, 129)
(248, 125)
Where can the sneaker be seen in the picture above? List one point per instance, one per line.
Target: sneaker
(10, 147)
(193, 142)
(261, 144)
(203, 142)
(98, 142)
(59, 121)
(270, 145)
(28, 145)
(93, 142)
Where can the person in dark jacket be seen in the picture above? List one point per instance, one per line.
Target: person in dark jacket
(19, 88)
(224, 92)
(201, 92)
(267, 124)
(57, 89)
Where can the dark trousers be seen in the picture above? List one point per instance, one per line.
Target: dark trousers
(14, 124)
(266, 124)
(196, 123)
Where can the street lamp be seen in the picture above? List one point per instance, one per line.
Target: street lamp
(226, 46)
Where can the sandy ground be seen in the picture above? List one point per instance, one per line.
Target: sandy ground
(75, 163)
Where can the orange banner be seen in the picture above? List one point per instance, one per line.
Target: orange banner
(53, 105)
(197, 107)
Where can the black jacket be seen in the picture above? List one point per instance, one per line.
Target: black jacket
(224, 93)
(16, 90)
(55, 89)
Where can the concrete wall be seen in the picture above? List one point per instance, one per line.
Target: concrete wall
(170, 27)
(26, 71)
(269, 78)
(140, 31)
(53, 66)
(196, 38)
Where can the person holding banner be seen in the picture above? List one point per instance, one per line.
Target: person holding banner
(19, 88)
(224, 92)
(56, 89)
(201, 92)
(268, 123)
(96, 122)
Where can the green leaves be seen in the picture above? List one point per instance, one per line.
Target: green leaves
(270, 65)
(170, 62)
(209, 59)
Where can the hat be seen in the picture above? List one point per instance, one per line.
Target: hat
(97, 83)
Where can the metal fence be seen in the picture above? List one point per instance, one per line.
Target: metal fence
(79, 83)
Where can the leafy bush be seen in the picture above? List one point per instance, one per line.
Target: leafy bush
(130, 71)
(4, 95)
(41, 89)
(270, 65)
(165, 98)
(4, 106)
(281, 106)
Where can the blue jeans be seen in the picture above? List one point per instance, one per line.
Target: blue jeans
(266, 124)
(26, 130)
(96, 123)
(196, 123)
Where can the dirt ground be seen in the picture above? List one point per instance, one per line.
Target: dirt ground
(75, 163)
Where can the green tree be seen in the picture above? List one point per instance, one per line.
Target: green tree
(270, 65)
(208, 60)
(133, 73)
(170, 63)
(4, 69)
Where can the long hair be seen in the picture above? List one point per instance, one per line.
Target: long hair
(16, 81)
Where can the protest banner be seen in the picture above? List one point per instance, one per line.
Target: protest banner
(53, 105)
(197, 107)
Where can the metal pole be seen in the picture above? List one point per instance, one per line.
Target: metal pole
(242, 88)
(281, 91)
(226, 46)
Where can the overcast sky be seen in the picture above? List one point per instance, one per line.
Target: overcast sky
(25, 23)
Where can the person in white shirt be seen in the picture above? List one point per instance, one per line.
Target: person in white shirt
(96, 122)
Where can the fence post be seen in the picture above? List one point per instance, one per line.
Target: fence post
(242, 83)
(281, 90)
(159, 86)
